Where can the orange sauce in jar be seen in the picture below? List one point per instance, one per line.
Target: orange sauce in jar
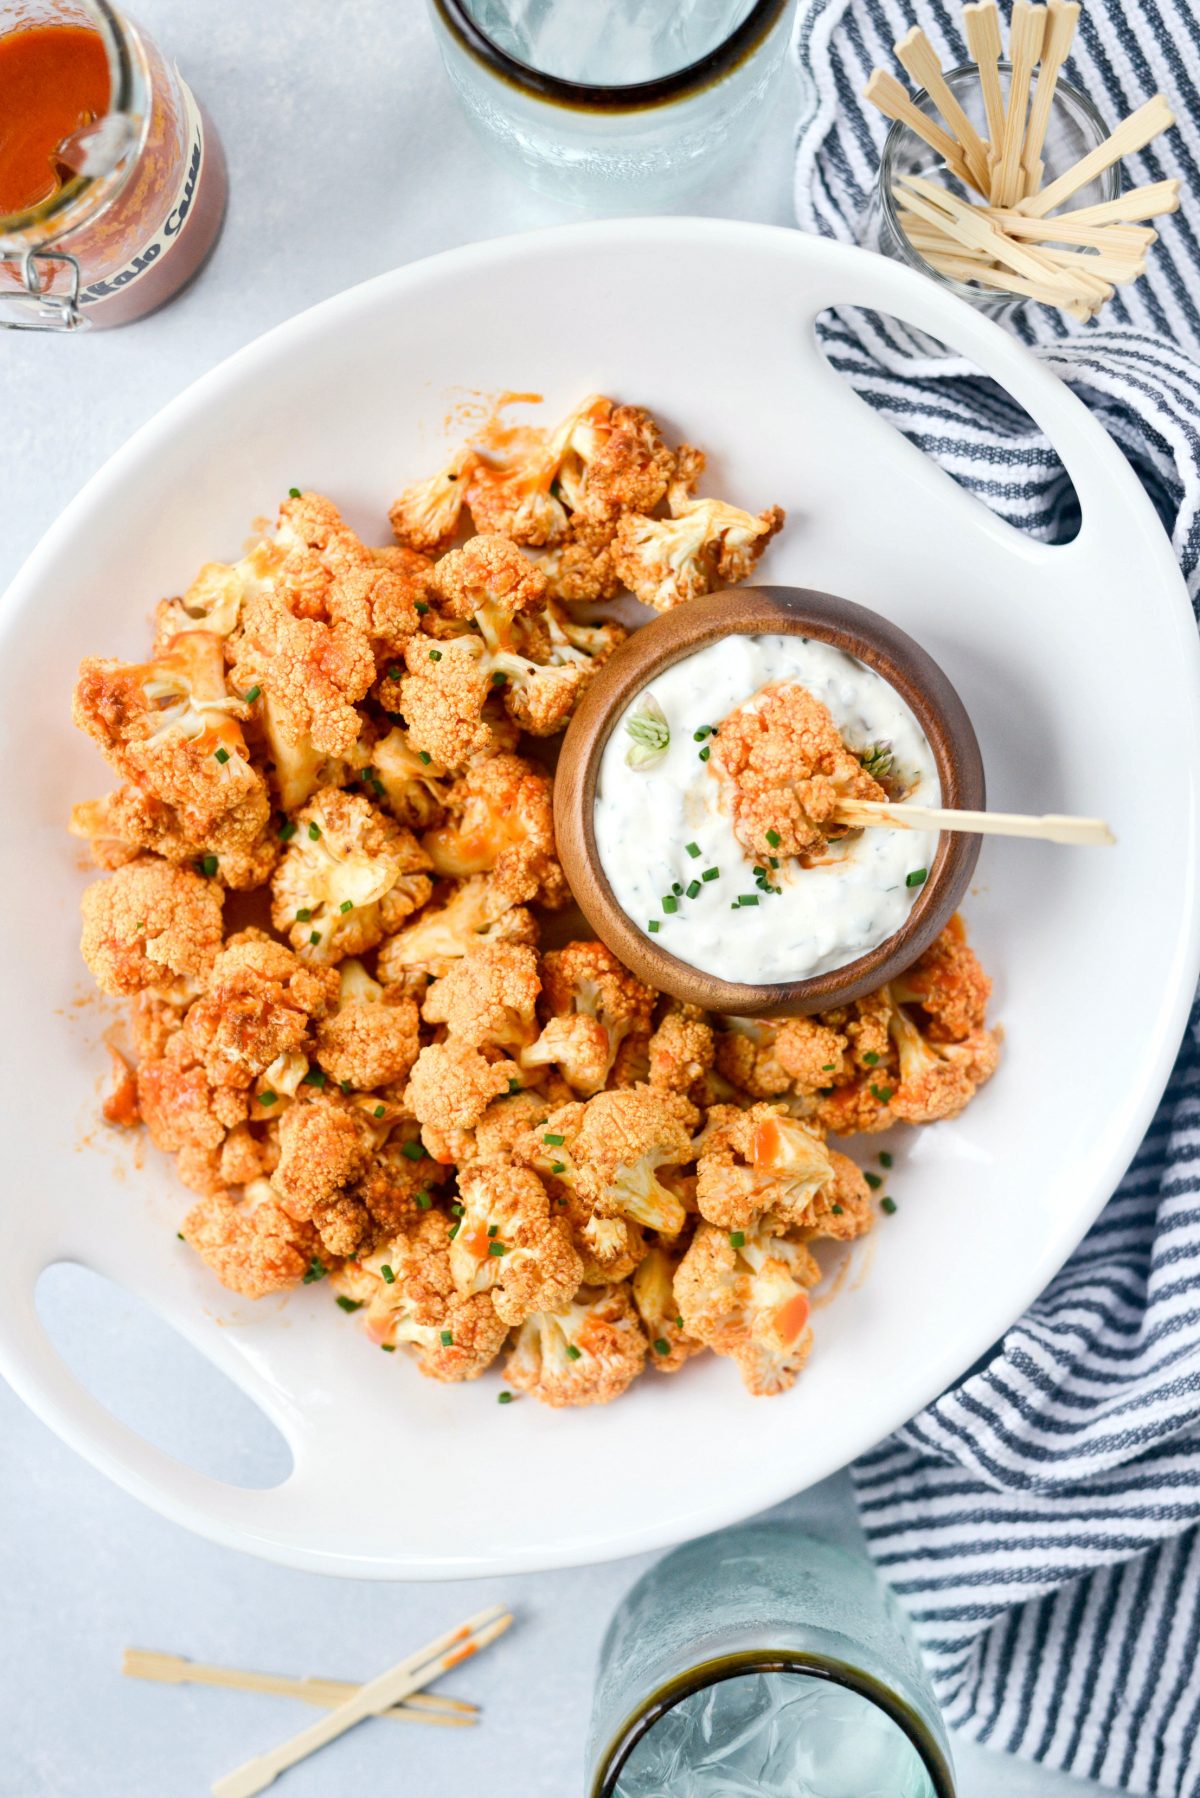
(53, 80)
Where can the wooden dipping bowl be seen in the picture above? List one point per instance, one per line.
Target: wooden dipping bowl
(757, 611)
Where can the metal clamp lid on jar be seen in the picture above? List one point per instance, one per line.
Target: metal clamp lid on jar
(107, 149)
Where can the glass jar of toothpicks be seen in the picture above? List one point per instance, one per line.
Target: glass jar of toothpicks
(1003, 182)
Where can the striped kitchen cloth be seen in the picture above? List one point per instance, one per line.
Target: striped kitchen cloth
(1041, 1520)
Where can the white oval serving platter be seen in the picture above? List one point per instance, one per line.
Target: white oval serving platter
(1078, 663)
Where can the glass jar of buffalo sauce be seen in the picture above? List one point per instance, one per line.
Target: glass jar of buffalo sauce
(112, 179)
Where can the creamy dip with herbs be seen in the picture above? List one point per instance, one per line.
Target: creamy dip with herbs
(665, 838)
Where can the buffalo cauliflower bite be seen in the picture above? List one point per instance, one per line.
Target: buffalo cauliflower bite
(842, 1209)
(681, 1051)
(653, 1288)
(452, 1085)
(705, 545)
(490, 583)
(786, 768)
(324, 1149)
(171, 730)
(594, 1003)
(938, 1080)
(251, 1243)
(156, 1013)
(409, 1300)
(507, 1243)
(147, 923)
(609, 1151)
(748, 1300)
(371, 1038)
(181, 1107)
(442, 698)
(259, 1005)
(348, 875)
(811, 1054)
(399, 1182)
(240, 848)
(426, 516)
(410, 779)
(609, 1250)
(758, 1160)
(326, 572)
(476, 912)
(586, 1354)
(523, 499)
(501, 823)
(746, 1057)
(949, 985)
(309, 676)
(488, 997)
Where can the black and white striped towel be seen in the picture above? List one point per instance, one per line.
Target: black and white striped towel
(1041, 1521)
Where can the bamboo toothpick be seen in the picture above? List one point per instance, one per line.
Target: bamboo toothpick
(1134, 134)
(1053, 828)
(1062, 16)
(1149, 201)
(917, 56)
(1025, 46)
(894, 102)
(971, 225)
(379, 1694)
(982, 22)
(176, 1670)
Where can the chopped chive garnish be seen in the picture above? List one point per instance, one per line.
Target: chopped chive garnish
(447, 1338)
(711, 874)
(420, 607)
(346, 905)
(455, 1228)
(679, 1323)
(573, 1353)
(504, 1398)
(870, 1058)
(774, 860)
(379, 1111)
(704, 753)
(181, 1236)
(693, 849)
(412, 1150)
(345, 1086)
(395, 673)
(885, 1158)
(222, 755)
(349, 1304)
(670, 903)
(293, 493)
(251, 695)
(747, 898)
(389, 1348)
(457, 1209)
(661, 1346)
(314, 831)
(693, 887)
(774, 838)
(423, 1201)
(882, 1093)
(316, 1270)
(303, 915)
(873, 1181)
(828, 1067)
(389, 1278)
(654, 926)
(888, 1205)
(837, 1210)
(917, 878)
(435, 655)
(498, 677)
(424, 756)
(759, 873)
(314, 1077)
(555, 1142)
(207, 865)
(558, 1167)
(514, 1086)
(493, 1230)
(737, 1238)
(267, 1098)
(287, 831)
(496, 1248)
(677, 889)
(314, 937)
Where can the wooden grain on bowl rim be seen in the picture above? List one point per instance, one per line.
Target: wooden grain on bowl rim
(759, 611)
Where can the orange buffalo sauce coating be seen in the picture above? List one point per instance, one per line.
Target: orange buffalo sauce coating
(53, 80)
(792, 1316)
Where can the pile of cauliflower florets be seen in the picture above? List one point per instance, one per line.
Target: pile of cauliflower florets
(330, 870)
